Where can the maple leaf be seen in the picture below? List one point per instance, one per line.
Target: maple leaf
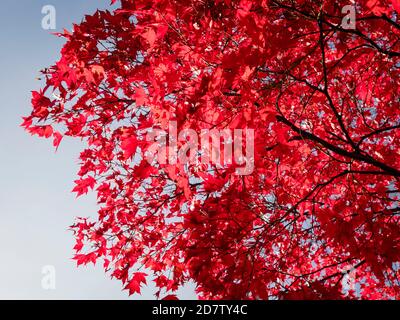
(57, 139)
(396, 5)
(136, 282)
(151, 36)
(85, 258)
(140, 96)
(170, 297)
(129, 145)
(82, 185)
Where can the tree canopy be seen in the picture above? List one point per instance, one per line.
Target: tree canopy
(318, 215)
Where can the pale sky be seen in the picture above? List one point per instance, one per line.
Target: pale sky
(36, 205)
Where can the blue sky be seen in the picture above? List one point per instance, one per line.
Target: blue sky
(36, 205)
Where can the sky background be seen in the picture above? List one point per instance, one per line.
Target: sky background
(36, 203)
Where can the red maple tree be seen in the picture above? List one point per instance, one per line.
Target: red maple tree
(317, 218)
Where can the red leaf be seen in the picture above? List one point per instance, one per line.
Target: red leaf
(134, 285)
(151, 36)
(170, 297)
(57, 139)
